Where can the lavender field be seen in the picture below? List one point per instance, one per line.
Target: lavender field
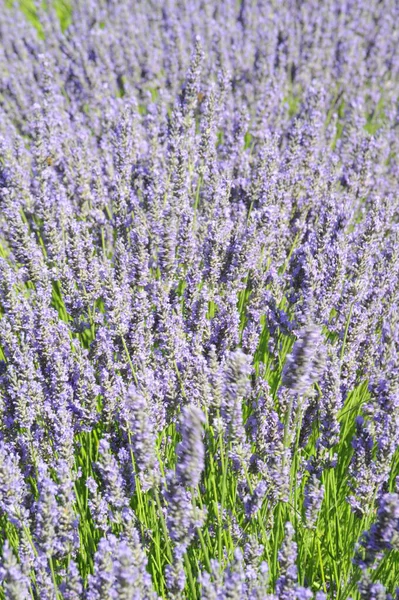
(199, 300)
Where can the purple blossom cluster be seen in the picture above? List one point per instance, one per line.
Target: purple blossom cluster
(199, 300)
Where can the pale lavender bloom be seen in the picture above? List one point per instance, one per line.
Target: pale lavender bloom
(236, 388)
(182, 516)
(43, 583)
(256, 569)
(191, 88)
(182, 191)
(287, 561)
(363, 478)
(13, 489)
(383, 535)
(98, 505)
(120, 570)
(287, 587)
(270, 458)
(190, 451)
(303, 364)
(14, 581)
(46, 514)
(244, 577)
(253, 502)
(175, 577)
(211, 583)
(330, 404)
(372, 591)
(314, 494)
(101, 584)
(234, 585)
(136, 420)
(72, 588)
(179, 512)
(113, 486)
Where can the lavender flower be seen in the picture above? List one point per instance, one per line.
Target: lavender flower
(72, 589)
(14, 582)
(141, 437)
(330, 404)
(383, 535)
(113, 485)
(303, 364)
(372, 591)
(12, 487)
(286, 583)
(314, 493)
(190, 452)
(185, 189)
(120, 570)
(47, 515)
(235, 389)
(182, 516)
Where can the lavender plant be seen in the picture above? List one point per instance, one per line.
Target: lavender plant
(199, 296)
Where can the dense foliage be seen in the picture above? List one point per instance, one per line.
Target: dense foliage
(199, 283)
